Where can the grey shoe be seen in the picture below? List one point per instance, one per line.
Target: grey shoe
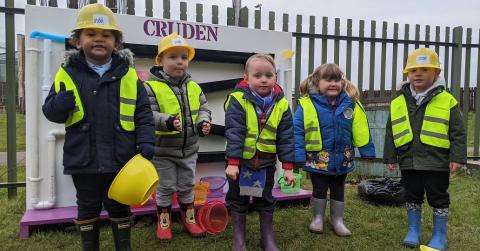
(336, 218)
(318, 205)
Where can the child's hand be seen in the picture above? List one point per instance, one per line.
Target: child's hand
(232, 172)
(455, 166)
(290, 179)
(392, 167)
(176, 123)
(206, 128)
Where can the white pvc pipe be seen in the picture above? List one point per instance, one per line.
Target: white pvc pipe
(31, 105)
(51, 160)
(46, 76)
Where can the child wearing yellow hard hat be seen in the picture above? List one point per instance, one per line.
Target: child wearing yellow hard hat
(425, 136)
(107, 117)
(181, 115)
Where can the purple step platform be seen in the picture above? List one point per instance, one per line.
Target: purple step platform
(58, 215)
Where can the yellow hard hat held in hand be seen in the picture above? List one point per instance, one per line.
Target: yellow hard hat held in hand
(422, 57)
(135, 182)
(96, 16)
(174, 40)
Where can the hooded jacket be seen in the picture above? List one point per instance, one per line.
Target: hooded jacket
(97, 143)
(184, 143)
(336, 157)
(416, 155)
(235, 131)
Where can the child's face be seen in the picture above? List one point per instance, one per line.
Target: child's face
(422, 78)
(175, 62)
(97, 44)
(330, 88)
(260, 76)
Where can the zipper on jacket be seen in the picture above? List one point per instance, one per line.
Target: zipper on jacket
(334, 108)
(184, 125)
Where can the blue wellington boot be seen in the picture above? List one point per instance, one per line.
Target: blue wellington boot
(439, 235)
(414, 225)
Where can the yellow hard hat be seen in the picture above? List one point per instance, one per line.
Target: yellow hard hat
(422, 57)
(96, 16)
(174, 40)
(427, 248)
(135, 183)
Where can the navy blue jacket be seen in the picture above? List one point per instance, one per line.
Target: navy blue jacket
(235, 131)
(98, 144)
(336, 157)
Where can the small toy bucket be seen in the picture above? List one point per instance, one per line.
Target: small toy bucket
(200, 191)
(215, 185)
(288, 188)
(213, 217)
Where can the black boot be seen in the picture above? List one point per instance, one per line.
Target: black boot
(266, 229)
(89, 233)
(238, 222)
(121, 232)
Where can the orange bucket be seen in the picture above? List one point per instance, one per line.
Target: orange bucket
(213, 217)
(200, 191)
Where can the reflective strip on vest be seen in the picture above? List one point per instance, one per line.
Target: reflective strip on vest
(266, 140)
(78, 113)
(401, 128)
(311, 125)
(128, 98)
(168, 102)
(435, 123)
(436, 120)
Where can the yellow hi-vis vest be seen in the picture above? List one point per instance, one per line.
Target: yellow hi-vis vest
(311, 124)
(128, 98)
(435, 121)
(266, 139)
(168, 102)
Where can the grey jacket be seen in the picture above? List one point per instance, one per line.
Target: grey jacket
(184, 143)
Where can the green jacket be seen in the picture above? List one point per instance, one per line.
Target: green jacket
(418, 156)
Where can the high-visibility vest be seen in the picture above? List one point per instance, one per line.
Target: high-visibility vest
(168, 102)
(264, 139)
(128, 98)
(311, 125)
(435, 121)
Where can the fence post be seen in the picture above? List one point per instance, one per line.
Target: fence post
(11, 89)
(243, 19)
(456, 61)
(166, 9)
(149, 8)
(298, 60)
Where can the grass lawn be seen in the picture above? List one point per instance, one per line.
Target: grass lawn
(20, 122)
(373, 227)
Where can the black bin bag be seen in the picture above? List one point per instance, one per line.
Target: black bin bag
(382, 191)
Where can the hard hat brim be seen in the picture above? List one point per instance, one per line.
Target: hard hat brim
(405, 71)
(191, 52)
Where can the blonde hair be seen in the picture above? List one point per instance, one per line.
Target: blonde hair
(265, 57)
(328, 72)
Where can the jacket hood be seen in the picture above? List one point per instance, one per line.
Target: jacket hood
(156, 73)
(124, 54)
(244, 87)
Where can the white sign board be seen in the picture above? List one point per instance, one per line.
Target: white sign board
(46, 184)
